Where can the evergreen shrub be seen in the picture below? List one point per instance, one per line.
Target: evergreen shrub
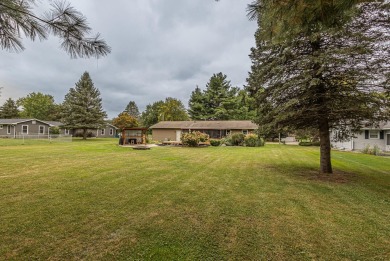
(214, 142)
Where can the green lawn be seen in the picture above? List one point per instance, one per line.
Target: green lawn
(94, 200)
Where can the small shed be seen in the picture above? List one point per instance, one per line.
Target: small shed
(133, 136)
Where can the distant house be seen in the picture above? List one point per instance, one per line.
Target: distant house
(109, 131)
(370, 136)
(16, 128)
(172, 130)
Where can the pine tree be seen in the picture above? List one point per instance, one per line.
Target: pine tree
(18, 18)
(334, 78)
(196, 105)
(82, 107)
(9, 110)
(220, 101)
(132, 109)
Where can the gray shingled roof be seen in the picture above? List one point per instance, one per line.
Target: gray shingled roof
(16, 121)
(216, 125)
(382, 126)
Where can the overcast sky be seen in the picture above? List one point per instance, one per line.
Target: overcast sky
(160, 48)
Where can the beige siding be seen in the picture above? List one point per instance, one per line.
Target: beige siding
(163, 134)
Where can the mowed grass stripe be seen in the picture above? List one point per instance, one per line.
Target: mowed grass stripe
(95, 200)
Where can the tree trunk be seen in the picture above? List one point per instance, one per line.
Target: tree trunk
(325, 162)
(84, 134)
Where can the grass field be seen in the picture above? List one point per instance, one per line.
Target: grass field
(94, 200)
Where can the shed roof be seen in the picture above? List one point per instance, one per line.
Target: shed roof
(197, 125)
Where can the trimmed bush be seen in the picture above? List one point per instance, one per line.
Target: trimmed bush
(252, 140)
(192, 139)
(305, 143)
(316, 143)
(237, 139)
(215, 143)
(227, 141)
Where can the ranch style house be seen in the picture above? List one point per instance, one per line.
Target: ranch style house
(172, 130)
(17, 128)
(370, 136)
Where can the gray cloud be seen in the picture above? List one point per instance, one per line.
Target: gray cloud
(160, 48)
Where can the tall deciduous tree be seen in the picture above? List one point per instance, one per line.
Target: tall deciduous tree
(132, 109)
(124, 120)
(82, 107)
(151, 114)
(326, 76)
(169, 110)
(18, 18)
(173, 110)
(9, 110)
(37, 105)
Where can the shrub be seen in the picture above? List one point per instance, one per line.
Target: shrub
(376, 150)
(227, 141)
(192, 139)
(252, 140)
(214, 142)
(54, 130)
(316, 143)
(238, 139)
(80, 134)
(373, 151)
(305, 143)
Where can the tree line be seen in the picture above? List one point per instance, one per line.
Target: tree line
(218, 101)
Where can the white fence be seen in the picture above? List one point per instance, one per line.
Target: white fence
(43, 137)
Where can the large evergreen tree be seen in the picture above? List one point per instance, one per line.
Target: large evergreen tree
(82, 107)
(220, 101)
(196, 105)
(323, 74)
(9, 110)
(18, 18)
(132, 109)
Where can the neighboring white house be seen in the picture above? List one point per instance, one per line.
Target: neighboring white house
(370, 136)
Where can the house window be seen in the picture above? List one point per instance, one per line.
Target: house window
(228, 132)
(111, 132)
(245, 132)
(102, 131)
(1, 127)
(374, 134)
(24, 129)
(66, 131)
(41, 129)
(9, 129)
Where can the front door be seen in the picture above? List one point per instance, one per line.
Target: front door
(388, 142)
(178, 135)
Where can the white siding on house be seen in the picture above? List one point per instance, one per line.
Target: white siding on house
(360, 142)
